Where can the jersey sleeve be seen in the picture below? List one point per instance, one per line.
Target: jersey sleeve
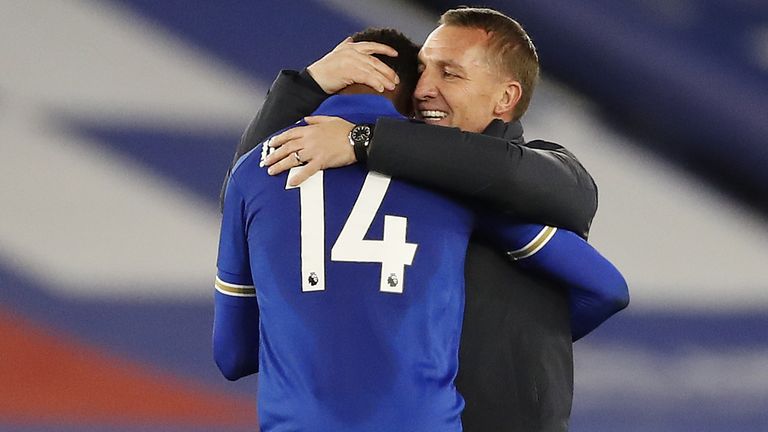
(236, 309)
(234, 267)
(597, 290)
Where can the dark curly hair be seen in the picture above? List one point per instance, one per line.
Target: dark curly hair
(405, 64)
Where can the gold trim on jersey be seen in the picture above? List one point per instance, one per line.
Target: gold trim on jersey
(535, 245)
(233, 289)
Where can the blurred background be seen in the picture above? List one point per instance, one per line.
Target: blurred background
(118, 120)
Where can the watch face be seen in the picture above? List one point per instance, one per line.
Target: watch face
(360, 133)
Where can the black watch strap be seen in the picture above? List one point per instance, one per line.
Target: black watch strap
(361, 147)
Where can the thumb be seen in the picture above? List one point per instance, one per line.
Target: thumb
(346, 40)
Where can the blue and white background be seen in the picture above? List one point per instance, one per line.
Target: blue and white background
(118, 120)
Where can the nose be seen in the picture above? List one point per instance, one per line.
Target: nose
(425, 87)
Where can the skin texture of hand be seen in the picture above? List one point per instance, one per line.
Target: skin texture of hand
(354, 63)
(323, 143)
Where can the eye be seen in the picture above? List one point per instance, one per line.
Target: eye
(449, 75)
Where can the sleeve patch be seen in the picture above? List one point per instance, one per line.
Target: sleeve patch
(233, 289)
(535, 245)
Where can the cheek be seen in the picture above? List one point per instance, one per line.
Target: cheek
(472, 99)
(459, 97)
(467, 90)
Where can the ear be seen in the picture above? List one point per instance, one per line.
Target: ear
(511, 92)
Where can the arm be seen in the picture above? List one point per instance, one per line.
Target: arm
(236, 311)
(235, 330)
(597, 290)
(540, 182)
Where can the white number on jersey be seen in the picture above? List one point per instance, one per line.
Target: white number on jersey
(393, 252)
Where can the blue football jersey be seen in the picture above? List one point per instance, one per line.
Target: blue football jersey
(359, 283)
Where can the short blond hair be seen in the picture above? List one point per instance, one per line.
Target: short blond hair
(510, 49)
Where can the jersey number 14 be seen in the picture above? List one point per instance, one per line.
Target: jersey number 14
(393, 252)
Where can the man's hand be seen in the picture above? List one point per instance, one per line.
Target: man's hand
(353, 62)
(323, 143)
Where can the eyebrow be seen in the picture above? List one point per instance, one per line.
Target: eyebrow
(444, 63)
(451, 64)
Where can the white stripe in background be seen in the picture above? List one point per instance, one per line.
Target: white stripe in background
(77, 218)
(86, 222)
(134, 71)
(414, 21)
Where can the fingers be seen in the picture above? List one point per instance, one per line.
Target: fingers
(383, 69)
(286, 137)
(372, 71)
(285, 144)
(304, 173)
(353, 62)
(366, 73)
(284, 152)
(285, 164)
(322, 144)
(373, 48)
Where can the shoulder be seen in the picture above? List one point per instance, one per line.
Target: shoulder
(250, 160)
(544, 145)
(248, 172)
(552, 148)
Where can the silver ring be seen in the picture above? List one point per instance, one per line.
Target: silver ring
(298, 159)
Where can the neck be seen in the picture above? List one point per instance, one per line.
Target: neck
(364, 89)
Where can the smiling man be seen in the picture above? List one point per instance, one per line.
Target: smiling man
(478, 72)
(455, 65)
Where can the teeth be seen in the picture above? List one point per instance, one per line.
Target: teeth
(433, 114)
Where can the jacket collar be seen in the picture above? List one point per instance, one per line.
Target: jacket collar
(512, 131)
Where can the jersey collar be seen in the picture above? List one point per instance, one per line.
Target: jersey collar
(358, 108)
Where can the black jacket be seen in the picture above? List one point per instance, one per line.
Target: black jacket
(515, 360)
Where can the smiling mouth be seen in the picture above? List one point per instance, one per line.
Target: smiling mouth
(432, 115)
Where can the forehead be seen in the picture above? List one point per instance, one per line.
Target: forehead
(453, 44)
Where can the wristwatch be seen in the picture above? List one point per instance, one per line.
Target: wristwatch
(359, 138)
